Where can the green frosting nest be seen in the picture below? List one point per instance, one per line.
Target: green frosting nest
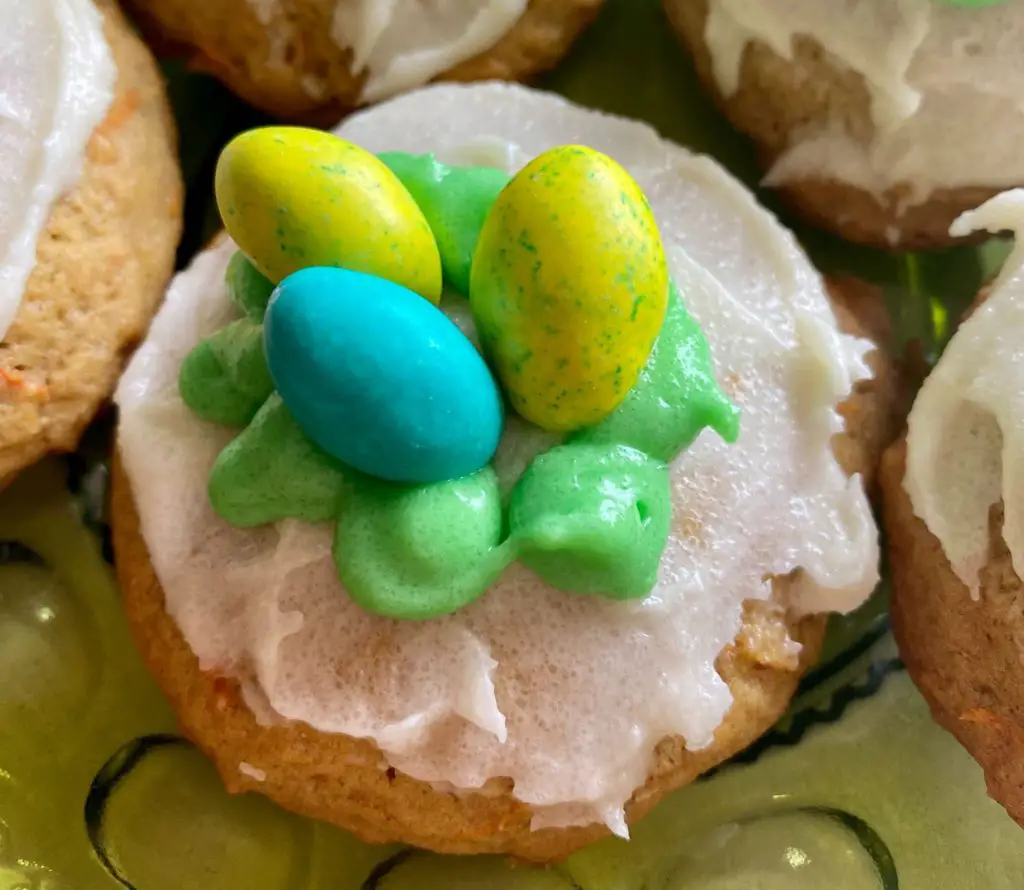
(590, 516)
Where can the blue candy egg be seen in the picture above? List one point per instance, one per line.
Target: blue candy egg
(380, 378)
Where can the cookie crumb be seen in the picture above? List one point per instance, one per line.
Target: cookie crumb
(247, 769)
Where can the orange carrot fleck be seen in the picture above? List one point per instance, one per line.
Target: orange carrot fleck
(121, 111)
(14, 388)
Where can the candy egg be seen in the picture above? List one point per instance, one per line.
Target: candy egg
(569, 287)
(379, 378)
(292, 198)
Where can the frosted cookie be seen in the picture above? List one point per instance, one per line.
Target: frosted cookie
(953, 516)
(90, 218)
(496, 604)
(881, 120)
(316, 59)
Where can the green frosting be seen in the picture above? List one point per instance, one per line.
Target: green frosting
(271, 471)
(593, 518)
(248, 289)
(589, 516)
(675, 397)
(225, 379)
(417, 552)
(455, 202)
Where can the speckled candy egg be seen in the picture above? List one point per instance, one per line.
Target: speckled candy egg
(569, 287)
(379, 378)
(293, 198)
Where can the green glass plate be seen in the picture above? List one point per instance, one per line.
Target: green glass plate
(855, 789)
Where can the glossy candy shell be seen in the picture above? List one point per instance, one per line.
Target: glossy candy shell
(293, 198)
(379, 378)
(569, 287)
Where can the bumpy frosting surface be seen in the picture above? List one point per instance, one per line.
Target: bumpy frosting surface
(567, 695)
(964, 446)
(56, 84)
(946, 83)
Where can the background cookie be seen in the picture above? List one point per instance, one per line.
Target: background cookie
(290, 65)
(963, 654)
(102, 263)
(346, 781)
(778, 97)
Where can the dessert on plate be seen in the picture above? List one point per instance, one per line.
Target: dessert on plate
(952, 511)
(493, 475)
(90, 218)
(882, 120)
(316, 59)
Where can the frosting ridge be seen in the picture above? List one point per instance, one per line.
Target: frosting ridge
(404, 43)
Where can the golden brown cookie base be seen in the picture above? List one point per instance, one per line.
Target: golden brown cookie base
(346, 781)
(778, 98)
(102, 264)
(964, 655)
(294, 69)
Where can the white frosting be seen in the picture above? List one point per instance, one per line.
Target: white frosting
(565, 694)
(405, 43)
(946, 83)
(56, 84)
(402, 44)
(965, 443)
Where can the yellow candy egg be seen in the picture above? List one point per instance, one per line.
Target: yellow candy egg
(293, 198)
(569, 287)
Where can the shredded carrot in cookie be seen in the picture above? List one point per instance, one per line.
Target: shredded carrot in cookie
(121, 111)
(15, 389)
(222, 694)
(982, 717)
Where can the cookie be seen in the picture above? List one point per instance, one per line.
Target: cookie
(319, 659)
(887, 157)
(302, 59)
(347, 781)
(951, 514)
(962, 653)
(102, 262)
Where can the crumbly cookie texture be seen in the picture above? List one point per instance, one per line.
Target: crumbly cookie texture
(964, 654)
(346, 780)
(102, 264)
(777, 98)
(295, 69)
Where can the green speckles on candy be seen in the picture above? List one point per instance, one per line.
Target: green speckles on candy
(675, 397)
(589, 516)
(248, 289)
(419, 552)
(593, 519)
(225, 379)
(292, 198)
(271, 471)
(455, 202)
(567, 290)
